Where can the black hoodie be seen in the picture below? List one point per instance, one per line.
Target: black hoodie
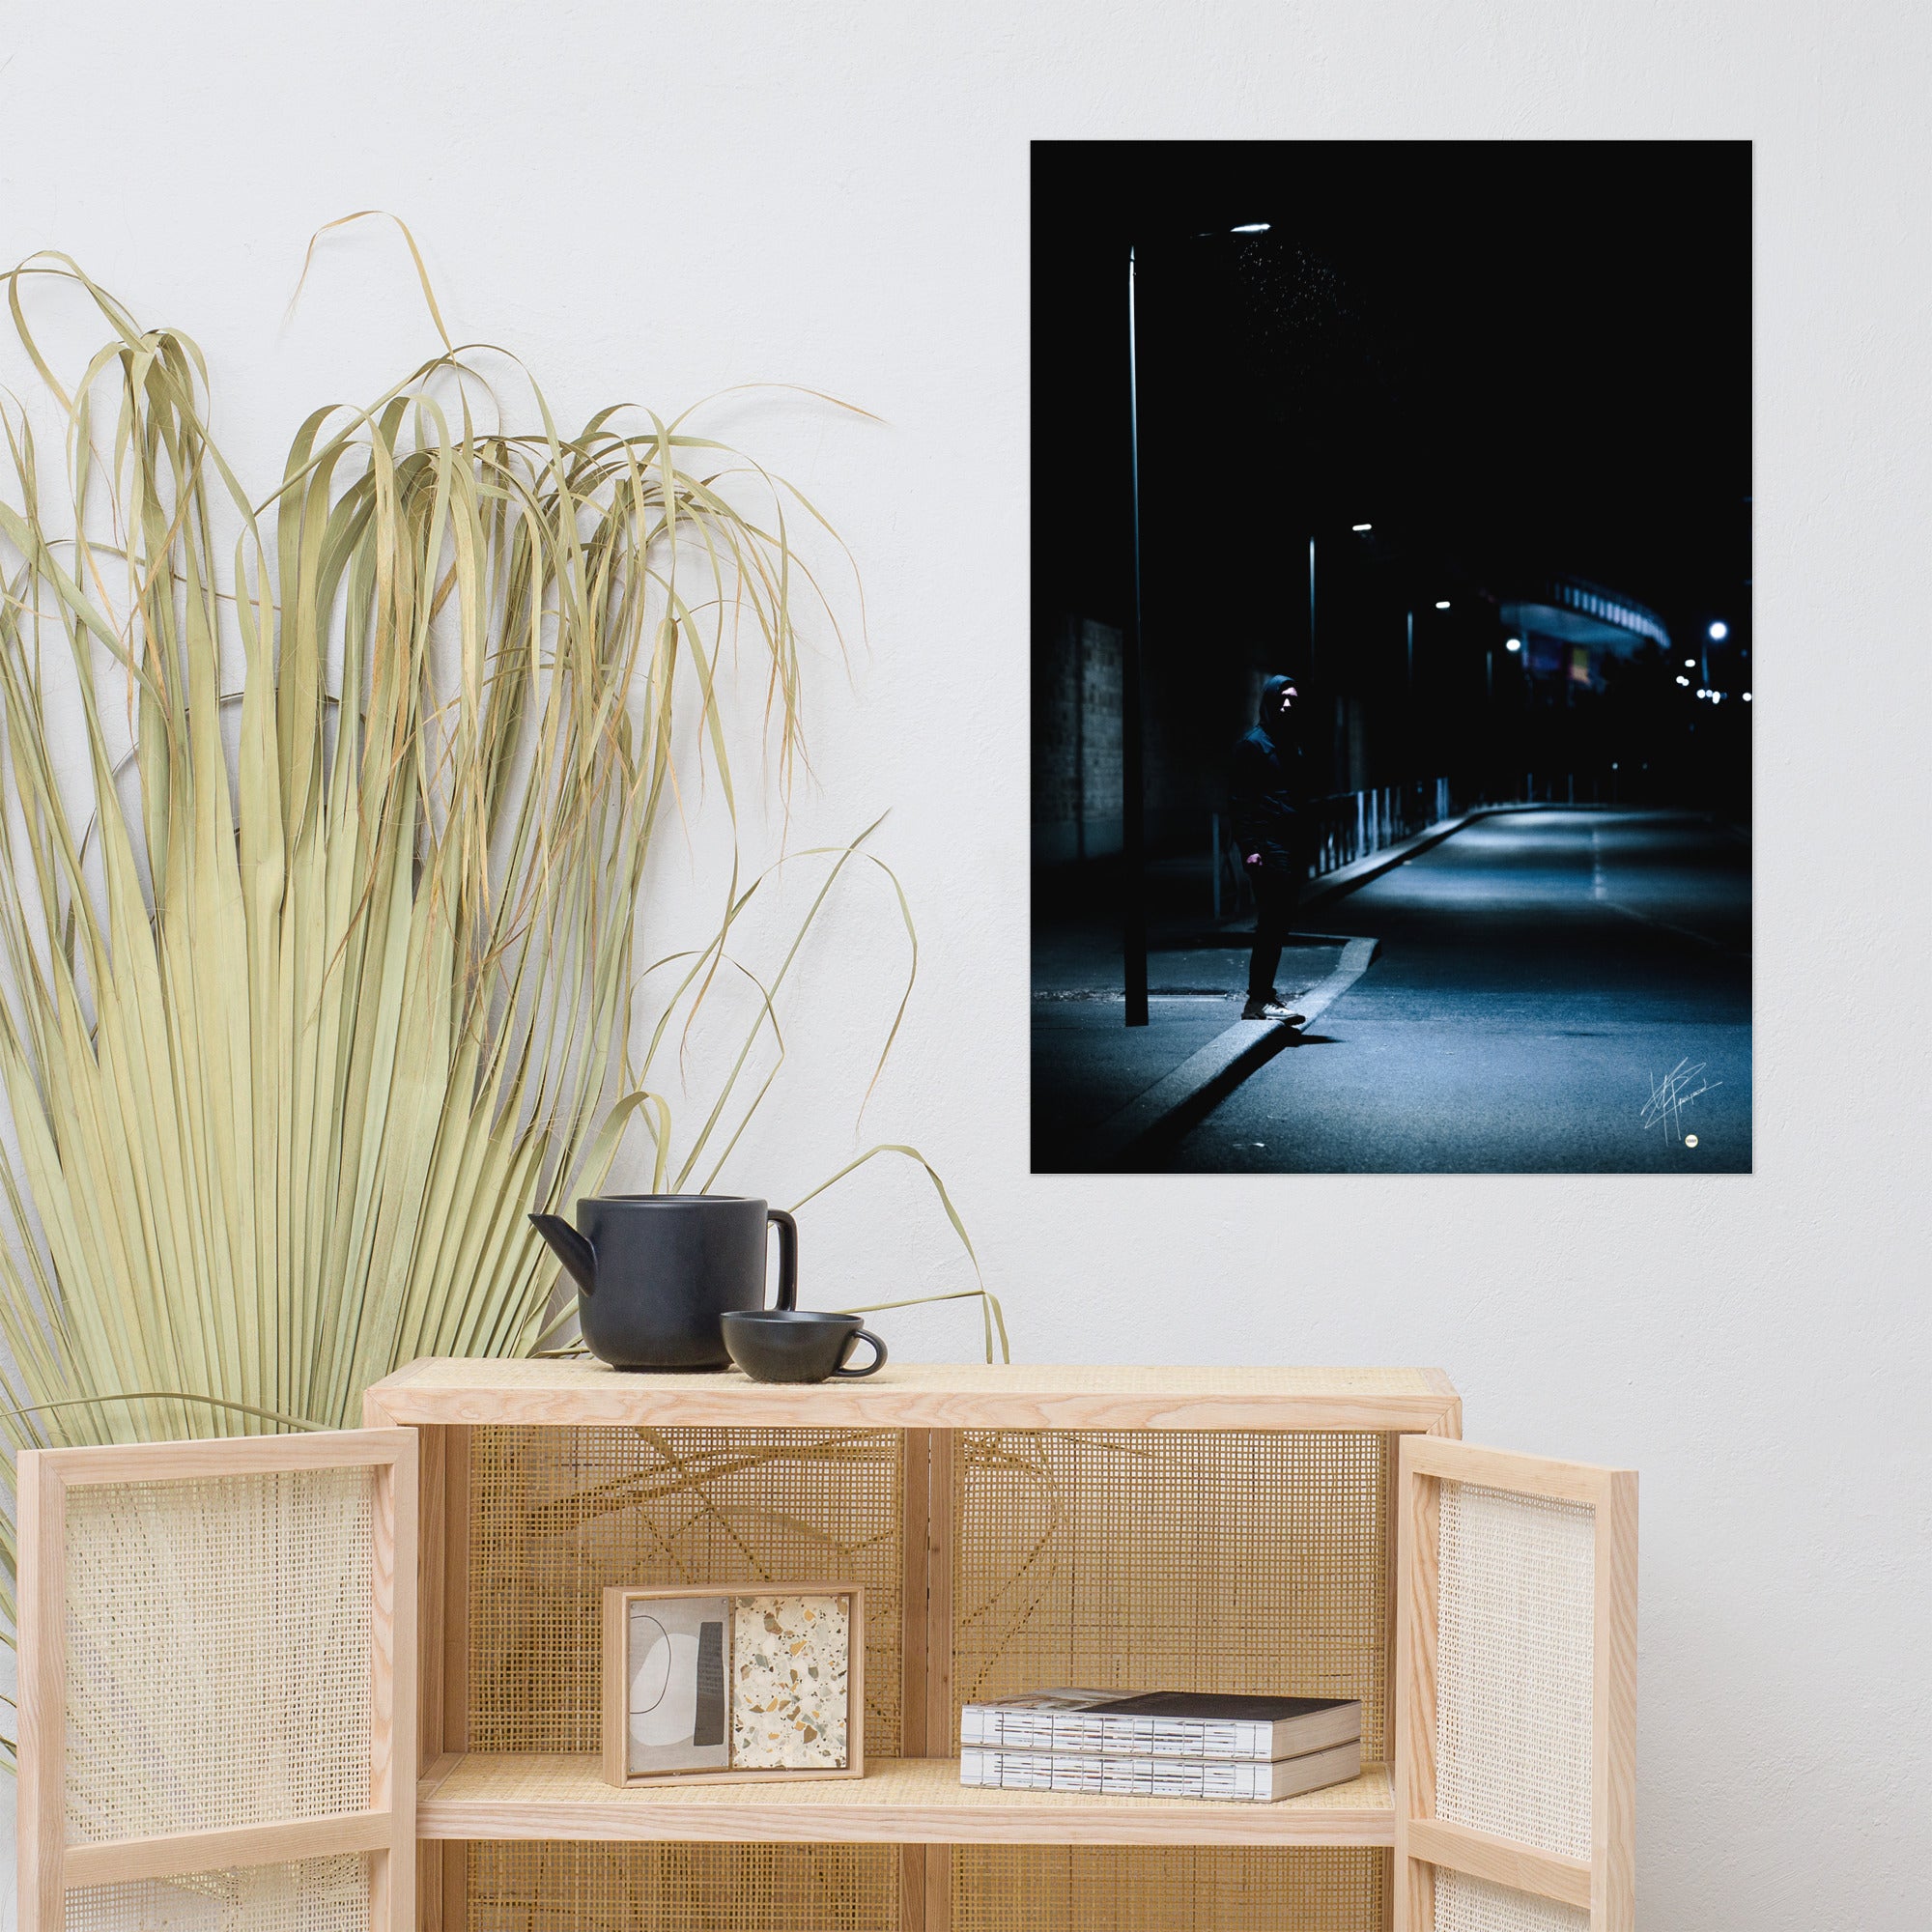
(1267, 794)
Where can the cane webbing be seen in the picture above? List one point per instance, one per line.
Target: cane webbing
(532, 1886)
(313, 1895)
(1141, 1888)
(217, 1653)
(1174, 1560)
(1464, 1904)
(1514, 1667)
(558, 1513)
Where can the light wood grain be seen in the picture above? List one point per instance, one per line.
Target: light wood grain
(1613, 1762)
(393, 1709)
(934, 1396)
(911, 1889)
(941, 1470)
(899, 1802)
(1500, 1861)
(442, 1873)
(1505, 1470)
(40, 1639)
(230, 1456)
(178, 1852)
(941, 1505)
(938, 1888)
(442, 1648)
(613, 1705)
(915, 1476)
(1417, 1516)
(916, 1463)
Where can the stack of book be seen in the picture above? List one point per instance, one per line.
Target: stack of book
(1163, 1744)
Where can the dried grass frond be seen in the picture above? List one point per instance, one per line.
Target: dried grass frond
(292, 1039)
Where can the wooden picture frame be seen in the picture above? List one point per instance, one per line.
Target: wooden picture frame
(1596, 1879)
(54, 1486)
(614, 1726)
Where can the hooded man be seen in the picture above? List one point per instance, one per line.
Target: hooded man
(1267, 799)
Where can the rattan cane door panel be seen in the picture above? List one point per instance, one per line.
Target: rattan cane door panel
(310, 1895)
(1513, 1666)
(218, 1698)
(1192, 1560)
(1466, 1904)
(203, 1692)
(1516, 1694)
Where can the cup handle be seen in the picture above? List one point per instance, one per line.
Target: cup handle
(787, 1257)
(872, 1366)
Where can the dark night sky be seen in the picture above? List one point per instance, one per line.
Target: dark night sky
(1517, 359)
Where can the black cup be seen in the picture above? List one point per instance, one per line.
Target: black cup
(791, 1344)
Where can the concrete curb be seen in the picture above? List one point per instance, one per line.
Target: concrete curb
(1172, 1105)
(1345, 878)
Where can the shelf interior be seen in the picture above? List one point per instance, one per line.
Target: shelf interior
(899, 1800)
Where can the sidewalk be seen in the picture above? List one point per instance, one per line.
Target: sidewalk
(1088, 1065)
(1104, 1094)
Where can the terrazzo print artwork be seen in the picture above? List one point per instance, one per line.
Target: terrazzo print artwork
(790, 1657)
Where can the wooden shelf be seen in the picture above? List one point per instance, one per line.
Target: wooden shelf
(899, 1802)
(580, 1391)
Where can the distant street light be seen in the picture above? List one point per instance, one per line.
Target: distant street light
(1361, 529)
(1746, 696)
(1719, 631)
(1252, 228)
(1443, 603)
(1690, 664)
(1684, 682)
(1511, 643)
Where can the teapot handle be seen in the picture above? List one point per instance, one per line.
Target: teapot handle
(787, 1257)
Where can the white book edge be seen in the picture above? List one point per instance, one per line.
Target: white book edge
(1015, 1728)
(1223, 1780)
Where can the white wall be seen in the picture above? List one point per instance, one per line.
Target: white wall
(655, 202)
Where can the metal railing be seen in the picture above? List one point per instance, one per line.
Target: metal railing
(1351, 825)
(1348, 826)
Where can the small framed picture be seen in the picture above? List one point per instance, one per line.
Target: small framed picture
(764, 1684)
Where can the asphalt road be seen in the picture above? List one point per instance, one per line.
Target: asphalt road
(1547, 981)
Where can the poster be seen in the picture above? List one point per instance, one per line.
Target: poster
(1391, 657)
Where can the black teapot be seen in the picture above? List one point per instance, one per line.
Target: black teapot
(655, 1273)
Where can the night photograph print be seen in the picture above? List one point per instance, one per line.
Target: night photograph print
(1392, 657)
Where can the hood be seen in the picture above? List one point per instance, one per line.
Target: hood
(1283, 731)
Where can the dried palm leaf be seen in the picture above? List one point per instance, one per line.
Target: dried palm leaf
(315, 984)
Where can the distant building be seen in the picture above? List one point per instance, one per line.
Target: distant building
(1569, 628)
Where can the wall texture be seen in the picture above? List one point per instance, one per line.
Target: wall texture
(1076, 740)
(658, 203)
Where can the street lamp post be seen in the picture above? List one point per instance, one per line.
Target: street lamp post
(1133, 812)
(1133, 802)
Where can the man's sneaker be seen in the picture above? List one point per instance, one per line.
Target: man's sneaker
(1271, 1008)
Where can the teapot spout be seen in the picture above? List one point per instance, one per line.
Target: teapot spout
(570, 1248)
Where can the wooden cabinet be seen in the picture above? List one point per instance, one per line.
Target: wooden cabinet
(1216, 1528)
